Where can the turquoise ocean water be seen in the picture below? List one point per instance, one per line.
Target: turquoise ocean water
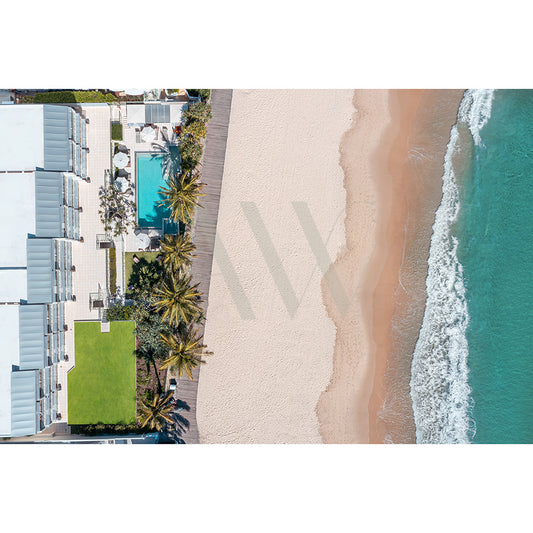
(472, 370)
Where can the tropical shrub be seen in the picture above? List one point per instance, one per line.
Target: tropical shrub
(117, 211)
(200, 111)
(145, 275)
(106, 429)
(204, 94)
(118, 312)
(196, 129)
(149, 326)
(190, 151)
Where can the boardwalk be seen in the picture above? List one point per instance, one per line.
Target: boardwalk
(204, 239)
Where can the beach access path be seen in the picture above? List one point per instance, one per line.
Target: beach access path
(204, 230)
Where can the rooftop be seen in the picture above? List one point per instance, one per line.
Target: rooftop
(9, 330)
(17, 212)
(21, 137)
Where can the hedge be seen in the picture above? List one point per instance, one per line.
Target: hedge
(71, 97)
(112, 270)
(116, 131)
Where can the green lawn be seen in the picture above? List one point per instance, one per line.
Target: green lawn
(128, 262)
(101, 387)
(116, 131)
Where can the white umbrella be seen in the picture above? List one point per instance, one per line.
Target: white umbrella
(121, 184)
(120, 159)
(134, 92)
(148, 134)
(142, 240)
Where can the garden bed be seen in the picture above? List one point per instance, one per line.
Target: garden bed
(116, 131)
(147, 381)
(112, 270)
(129, 264)
(71, 97)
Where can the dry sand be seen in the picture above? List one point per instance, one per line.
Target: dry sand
(322, 374)
(268, 371)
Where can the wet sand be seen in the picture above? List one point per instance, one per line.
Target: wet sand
(392, 160)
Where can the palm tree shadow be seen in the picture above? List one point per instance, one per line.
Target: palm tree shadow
(181, 424)
(180, 404)
(170, 437)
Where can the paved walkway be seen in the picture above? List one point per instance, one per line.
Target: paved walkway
(90, 262)
(204, 237)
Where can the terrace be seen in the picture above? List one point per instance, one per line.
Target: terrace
(148, 129)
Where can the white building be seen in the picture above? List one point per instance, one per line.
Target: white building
(43, 157)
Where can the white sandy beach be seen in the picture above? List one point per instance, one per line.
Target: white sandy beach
(264, 381)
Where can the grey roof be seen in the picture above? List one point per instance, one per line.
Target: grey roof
(40, 274)
(84, 164)
(83, 134)
(48, 199)
(156, 113)
(56, 138)
(32, 351)
(24, 414)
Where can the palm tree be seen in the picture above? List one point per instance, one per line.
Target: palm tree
(177, 251)
(184, 353)
(182, 196)
(157, 413)
(178, 299)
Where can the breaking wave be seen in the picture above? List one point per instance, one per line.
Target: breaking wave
(440, 393)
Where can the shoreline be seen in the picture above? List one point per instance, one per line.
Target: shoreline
(343, 406)
(393, 156)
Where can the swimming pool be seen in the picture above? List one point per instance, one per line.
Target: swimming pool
(149, 179)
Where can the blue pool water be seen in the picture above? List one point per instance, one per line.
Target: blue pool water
(150, 178)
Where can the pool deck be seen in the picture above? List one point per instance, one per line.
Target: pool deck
(204, 231)
(132, 142)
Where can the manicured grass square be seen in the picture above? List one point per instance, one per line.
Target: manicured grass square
(101, 387)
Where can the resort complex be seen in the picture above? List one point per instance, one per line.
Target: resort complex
(324, 253)
(90, 237)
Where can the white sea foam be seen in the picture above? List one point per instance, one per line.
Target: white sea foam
(475, 110)
(439, 373)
